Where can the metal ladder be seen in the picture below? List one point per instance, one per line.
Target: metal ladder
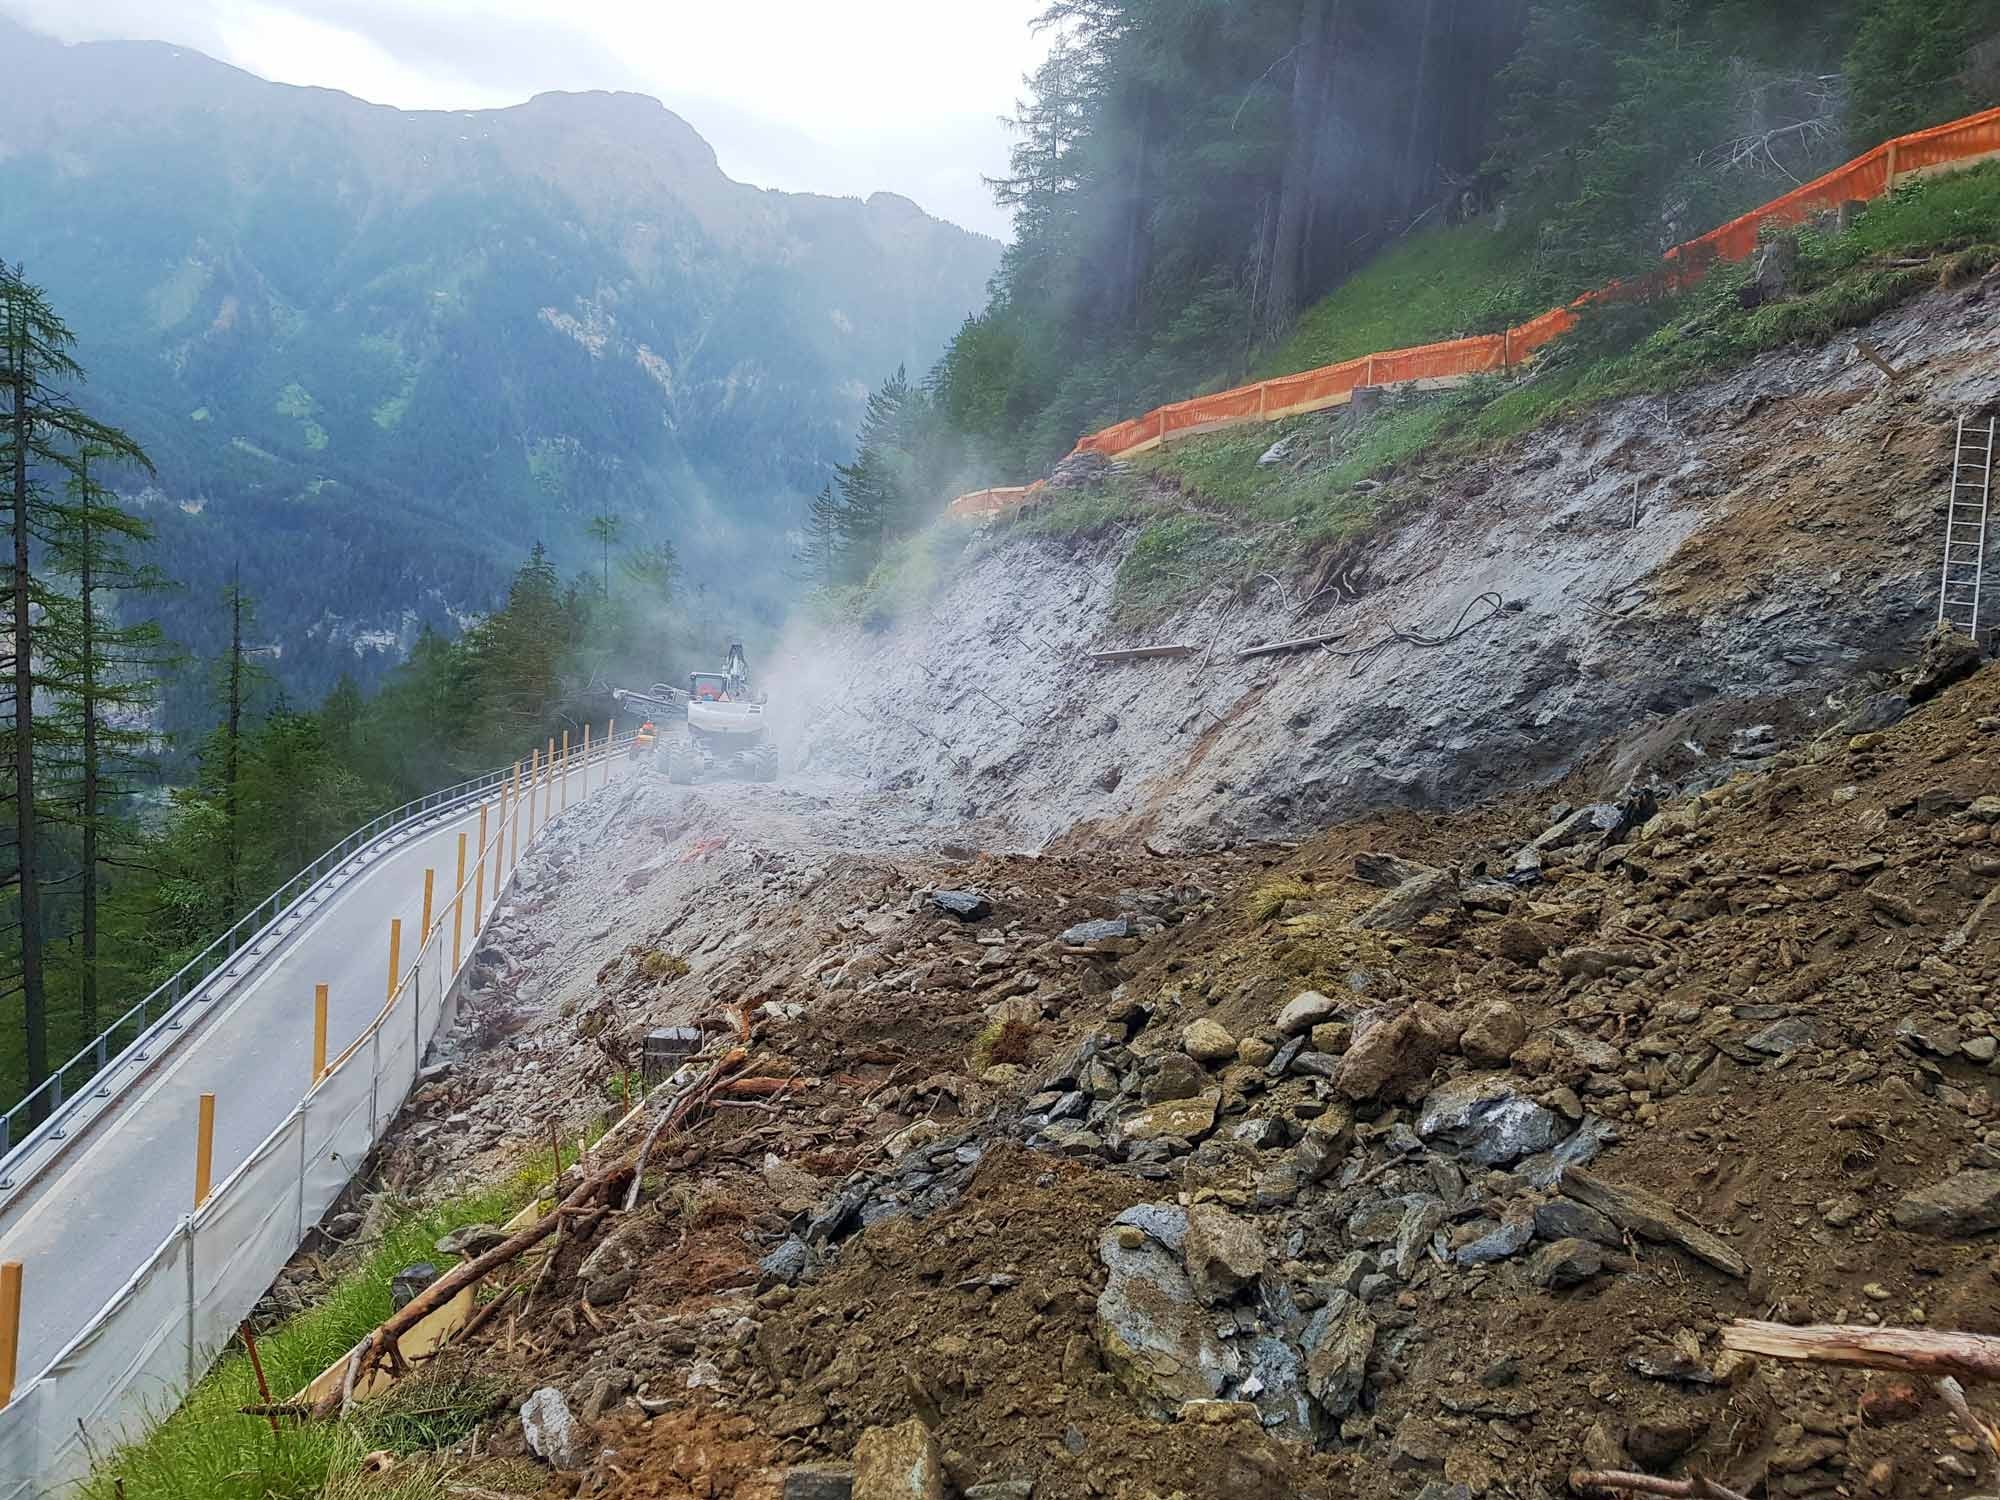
(1965, 528)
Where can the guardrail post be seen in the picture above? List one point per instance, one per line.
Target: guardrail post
(479, 880)
(549, 782)
(610, 738)
(395, 953)
(10, 1327)
(458, 903)
(565, 771)
(424, 931)
(319, 1034)
(204, 1149)
(586, 758)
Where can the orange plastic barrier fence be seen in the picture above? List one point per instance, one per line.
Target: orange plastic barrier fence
(1943, 148)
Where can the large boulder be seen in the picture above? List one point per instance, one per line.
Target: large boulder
(1208, 1041)
(1393, 1058)
(552, 1431)
(1153, 1334)
(1488, 1120)
(1948, 655)
(1412, 901)
(898, 1463)
(1304, 1012)
(1171, 1119)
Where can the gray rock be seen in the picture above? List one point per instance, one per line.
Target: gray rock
(1965, 1203)
(1566, 1219)
(1506, 1239)
(1947, 656)
(1165, 1222)
(1304, 1012)
(1278, 452)
(1580, 1150)
(1411, 902)
(1002, 1489)
(1105, 930)
(967, 906)
(1785, 1036)
(1224, 1253)
(473, 1240)
(1565, 1263)
(1413, 1235)
(1177, 1076)
(1876, 712)
(1337, 1345)
(819, 1482)
(1263, 1132)
(552, 1433)
(1071, 1139)
(408, 1284)
(1155, 1338)
(1487, 1119)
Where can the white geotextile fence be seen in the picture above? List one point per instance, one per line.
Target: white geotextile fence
(165, 1326)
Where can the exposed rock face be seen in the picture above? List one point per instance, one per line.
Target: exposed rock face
(1337, 1343)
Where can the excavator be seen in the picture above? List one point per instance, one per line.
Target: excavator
(726, 731)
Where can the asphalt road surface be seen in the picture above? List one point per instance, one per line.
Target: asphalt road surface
(122, 1185)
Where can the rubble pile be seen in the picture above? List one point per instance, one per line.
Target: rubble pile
(1425, 1158)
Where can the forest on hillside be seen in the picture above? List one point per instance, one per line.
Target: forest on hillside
(1189, 177)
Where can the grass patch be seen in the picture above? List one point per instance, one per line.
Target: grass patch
(1002, 1042)
(1269, 899)
(208, 1448)
(1446, 284)
(660, 966)
(1175, 559)
(1843, 279)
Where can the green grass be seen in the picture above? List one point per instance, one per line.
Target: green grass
(209, 1449)
(1442, 285)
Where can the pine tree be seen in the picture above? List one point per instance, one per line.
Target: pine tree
(104, 672)
(44, 433)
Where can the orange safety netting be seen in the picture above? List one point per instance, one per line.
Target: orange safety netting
(1957, 144)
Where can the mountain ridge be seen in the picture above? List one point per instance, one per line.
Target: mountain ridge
(377, 353)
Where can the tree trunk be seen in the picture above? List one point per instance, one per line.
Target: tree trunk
(34, 1000)
(1410, 183)
(90, 780)
(1135, 218)
(1281, 305)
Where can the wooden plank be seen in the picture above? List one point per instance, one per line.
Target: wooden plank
(1916, 1351)
(1141, 653)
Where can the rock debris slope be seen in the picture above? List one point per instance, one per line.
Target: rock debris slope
(1734, 551)
(1424, 1158)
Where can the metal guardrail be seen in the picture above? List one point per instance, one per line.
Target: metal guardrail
(194, 982)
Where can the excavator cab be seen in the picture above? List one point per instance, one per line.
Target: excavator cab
(709, 687)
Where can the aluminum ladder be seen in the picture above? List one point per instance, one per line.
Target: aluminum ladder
(1965, 527)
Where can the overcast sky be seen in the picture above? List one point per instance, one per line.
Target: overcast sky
(832, 96)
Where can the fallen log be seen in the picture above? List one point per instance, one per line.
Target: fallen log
(1914, 1351)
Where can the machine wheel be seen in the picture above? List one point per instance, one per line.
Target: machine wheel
(680, 766)
(764, 762)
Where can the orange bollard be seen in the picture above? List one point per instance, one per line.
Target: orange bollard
(204, 1148)
(424, 931)
(458, 904)
(319, 1032)
(395, 955)
(10, 1328)
(534, 787)
(565, 771)
(479, 880)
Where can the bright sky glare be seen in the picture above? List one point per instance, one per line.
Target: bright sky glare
(806, 95)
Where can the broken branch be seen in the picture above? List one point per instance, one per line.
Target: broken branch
(1914, 1351)
(1588, 1481)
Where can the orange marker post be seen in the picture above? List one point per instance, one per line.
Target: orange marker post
(204, 1149)
(430, 888)
(395, 954)
(514, 843)
(319, 1032)
(534, 787)
(10, 1328)
(586, 759)
(610, 739)
(565, 771)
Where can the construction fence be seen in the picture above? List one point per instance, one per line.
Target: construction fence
(156, 1337)
(1944, 148)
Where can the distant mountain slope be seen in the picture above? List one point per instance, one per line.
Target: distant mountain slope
(377, 353)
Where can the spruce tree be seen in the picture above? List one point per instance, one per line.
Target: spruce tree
(43, 433)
